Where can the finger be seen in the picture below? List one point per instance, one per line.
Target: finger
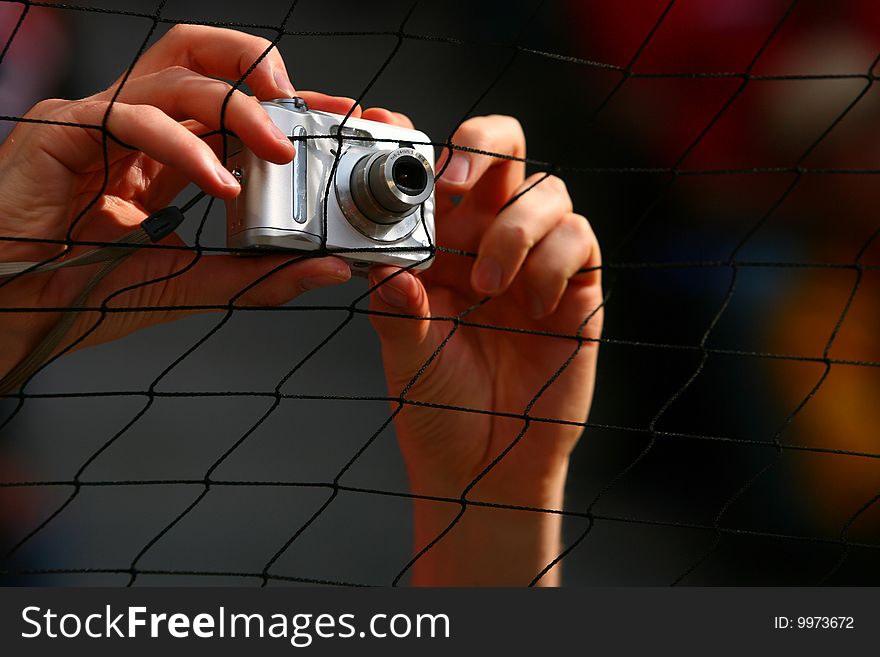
(504, 246)
(406, 343)
(183, 94)
(404, 121)
(333, 104)
(382, 115)
(552, 264)
(581, 308)
(168, 183)
(221, 53)
(143, 127)
(492, 176)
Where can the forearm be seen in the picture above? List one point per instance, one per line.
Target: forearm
(491, 546)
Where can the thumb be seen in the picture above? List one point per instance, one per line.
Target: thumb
(180, 287)
(254, 281)
(399, 298)
(217, 281)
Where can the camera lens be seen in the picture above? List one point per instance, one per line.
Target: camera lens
(388, 186)
(409, 175)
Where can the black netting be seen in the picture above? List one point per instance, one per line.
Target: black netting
(732, 437)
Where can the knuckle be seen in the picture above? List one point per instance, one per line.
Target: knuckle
(259, 50)
(248, 103)
(511, 123)
(181, 31)
(511, 126)
(474, 133)
(89, 108)
(555, 184)
(578, 225)
(217, 91)
(261, 44)
(552, 186)
(37, 128)
(223, 88)
(46, 108)
(471, 142)
(241, 107)
(483, 146)
(403, 119)
(148, 112)
(483, 133)
(469, 128)
(516, 236)
(581, 235)
(177, 72)
(586, 244)
(590, 239)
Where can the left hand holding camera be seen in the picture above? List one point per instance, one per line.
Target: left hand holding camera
(51, 172)
(531, 254)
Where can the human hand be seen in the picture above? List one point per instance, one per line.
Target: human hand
(53, 173)
(531, 257)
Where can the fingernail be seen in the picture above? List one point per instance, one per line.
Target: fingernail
(393, 296)
(323, 280)
(225, 176)
(283, 83)
(487, 275)
(536, 306)
(458, 170)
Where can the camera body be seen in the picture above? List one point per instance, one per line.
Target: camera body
(371, 203)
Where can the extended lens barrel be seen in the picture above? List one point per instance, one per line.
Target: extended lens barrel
(389, 185)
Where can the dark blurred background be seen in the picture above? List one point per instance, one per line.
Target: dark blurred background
(681, 168)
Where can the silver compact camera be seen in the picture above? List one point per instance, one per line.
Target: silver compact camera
(373, 202)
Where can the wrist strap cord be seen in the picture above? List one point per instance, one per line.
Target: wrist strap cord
(154, 228)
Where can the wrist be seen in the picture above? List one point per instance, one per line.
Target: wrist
(537, 482)
(504, 537)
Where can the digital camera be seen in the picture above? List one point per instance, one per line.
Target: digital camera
(372, 201)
